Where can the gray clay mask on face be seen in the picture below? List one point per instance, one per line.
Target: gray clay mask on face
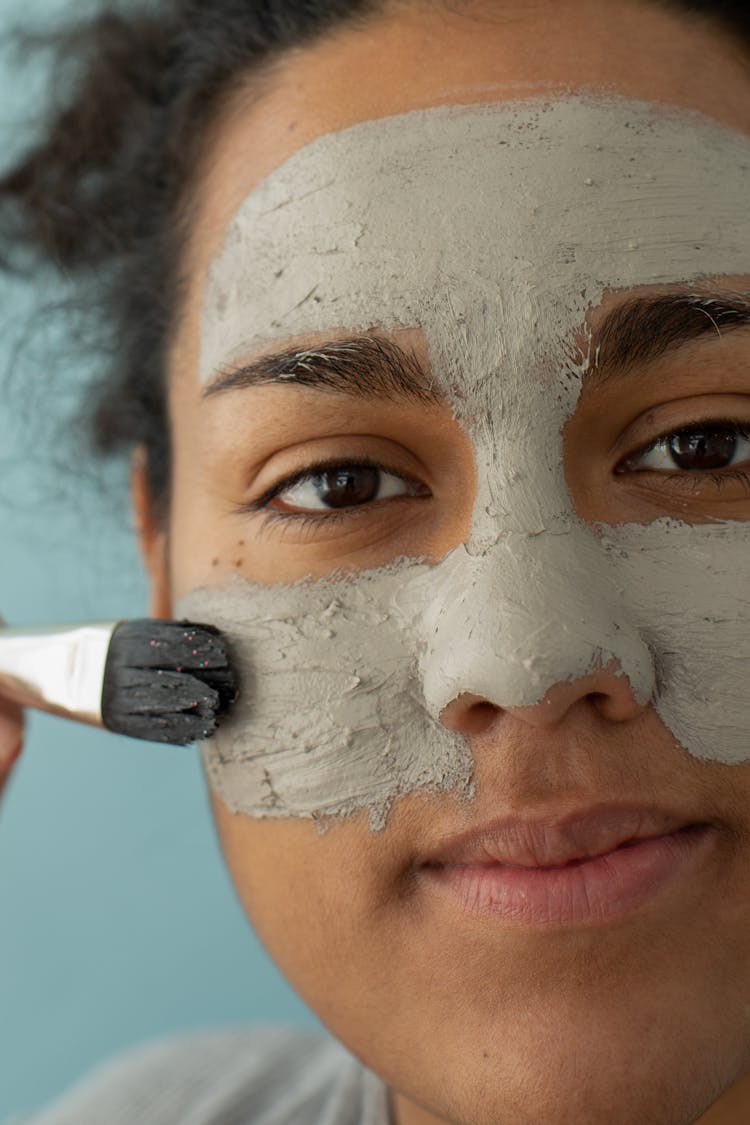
(495, 229)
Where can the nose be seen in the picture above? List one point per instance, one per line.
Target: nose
(606, 690)
(532, 628)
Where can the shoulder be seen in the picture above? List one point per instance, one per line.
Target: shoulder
(262, 1077)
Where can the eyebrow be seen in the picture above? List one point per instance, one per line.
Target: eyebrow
(362, 366)
(635, 333)
(643, 329)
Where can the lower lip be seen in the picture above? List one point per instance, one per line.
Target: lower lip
(589, 891)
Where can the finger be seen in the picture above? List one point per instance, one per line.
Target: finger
(11, 736)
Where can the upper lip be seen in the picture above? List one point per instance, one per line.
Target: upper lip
(549, 841)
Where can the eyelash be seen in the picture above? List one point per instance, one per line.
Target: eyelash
(683, 478)
(304, 520)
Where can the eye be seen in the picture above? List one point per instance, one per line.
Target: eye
(328, 488)
(705, 447)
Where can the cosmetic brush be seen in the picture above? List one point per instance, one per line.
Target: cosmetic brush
(164, 681)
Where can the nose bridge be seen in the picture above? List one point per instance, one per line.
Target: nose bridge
(532, 611)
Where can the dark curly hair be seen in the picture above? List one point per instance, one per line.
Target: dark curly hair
(101, 194)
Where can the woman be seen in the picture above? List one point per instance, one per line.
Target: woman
(432, 353)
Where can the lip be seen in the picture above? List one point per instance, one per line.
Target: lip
(586, 867)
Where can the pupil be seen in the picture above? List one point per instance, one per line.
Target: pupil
(347, 487)
(703, 449)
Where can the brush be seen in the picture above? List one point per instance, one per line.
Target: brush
(164, 681)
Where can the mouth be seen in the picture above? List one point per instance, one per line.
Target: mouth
(587, 867)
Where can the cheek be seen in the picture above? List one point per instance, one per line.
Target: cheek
(319, 901)
(688, 591)
(289, 888)
(330, 719)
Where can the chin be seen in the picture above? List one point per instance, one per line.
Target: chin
(561, 1068)
(570, 1094)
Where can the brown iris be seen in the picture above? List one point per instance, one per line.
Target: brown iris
(704, 448)
(348, 486)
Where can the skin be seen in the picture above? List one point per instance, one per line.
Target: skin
(11, 740)
(471, 1022)
(642, 1021)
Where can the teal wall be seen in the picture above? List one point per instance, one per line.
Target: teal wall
(117, 920)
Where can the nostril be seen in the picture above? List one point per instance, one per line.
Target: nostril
(468, 714)
(483, 714)
(617, 706)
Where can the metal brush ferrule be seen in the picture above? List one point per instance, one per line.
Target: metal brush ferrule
(56, 670)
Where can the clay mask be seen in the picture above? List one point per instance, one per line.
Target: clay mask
(494, 228)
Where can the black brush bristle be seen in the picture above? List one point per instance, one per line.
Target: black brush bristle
(166, 681)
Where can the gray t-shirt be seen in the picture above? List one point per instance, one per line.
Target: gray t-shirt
(228, 1078)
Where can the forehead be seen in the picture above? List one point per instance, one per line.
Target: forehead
(494, 214)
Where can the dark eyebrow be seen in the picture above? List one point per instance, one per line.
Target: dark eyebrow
(643, 329)
(363, 366)
(637, 332)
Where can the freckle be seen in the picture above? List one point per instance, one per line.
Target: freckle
(241, 543)
(292, 126)
(214, 562)
(238, 562)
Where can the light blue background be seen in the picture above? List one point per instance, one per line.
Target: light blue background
(117, 920)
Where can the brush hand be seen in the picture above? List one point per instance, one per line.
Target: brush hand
(11, 738)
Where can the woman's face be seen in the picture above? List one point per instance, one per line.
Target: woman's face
(502, 314)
